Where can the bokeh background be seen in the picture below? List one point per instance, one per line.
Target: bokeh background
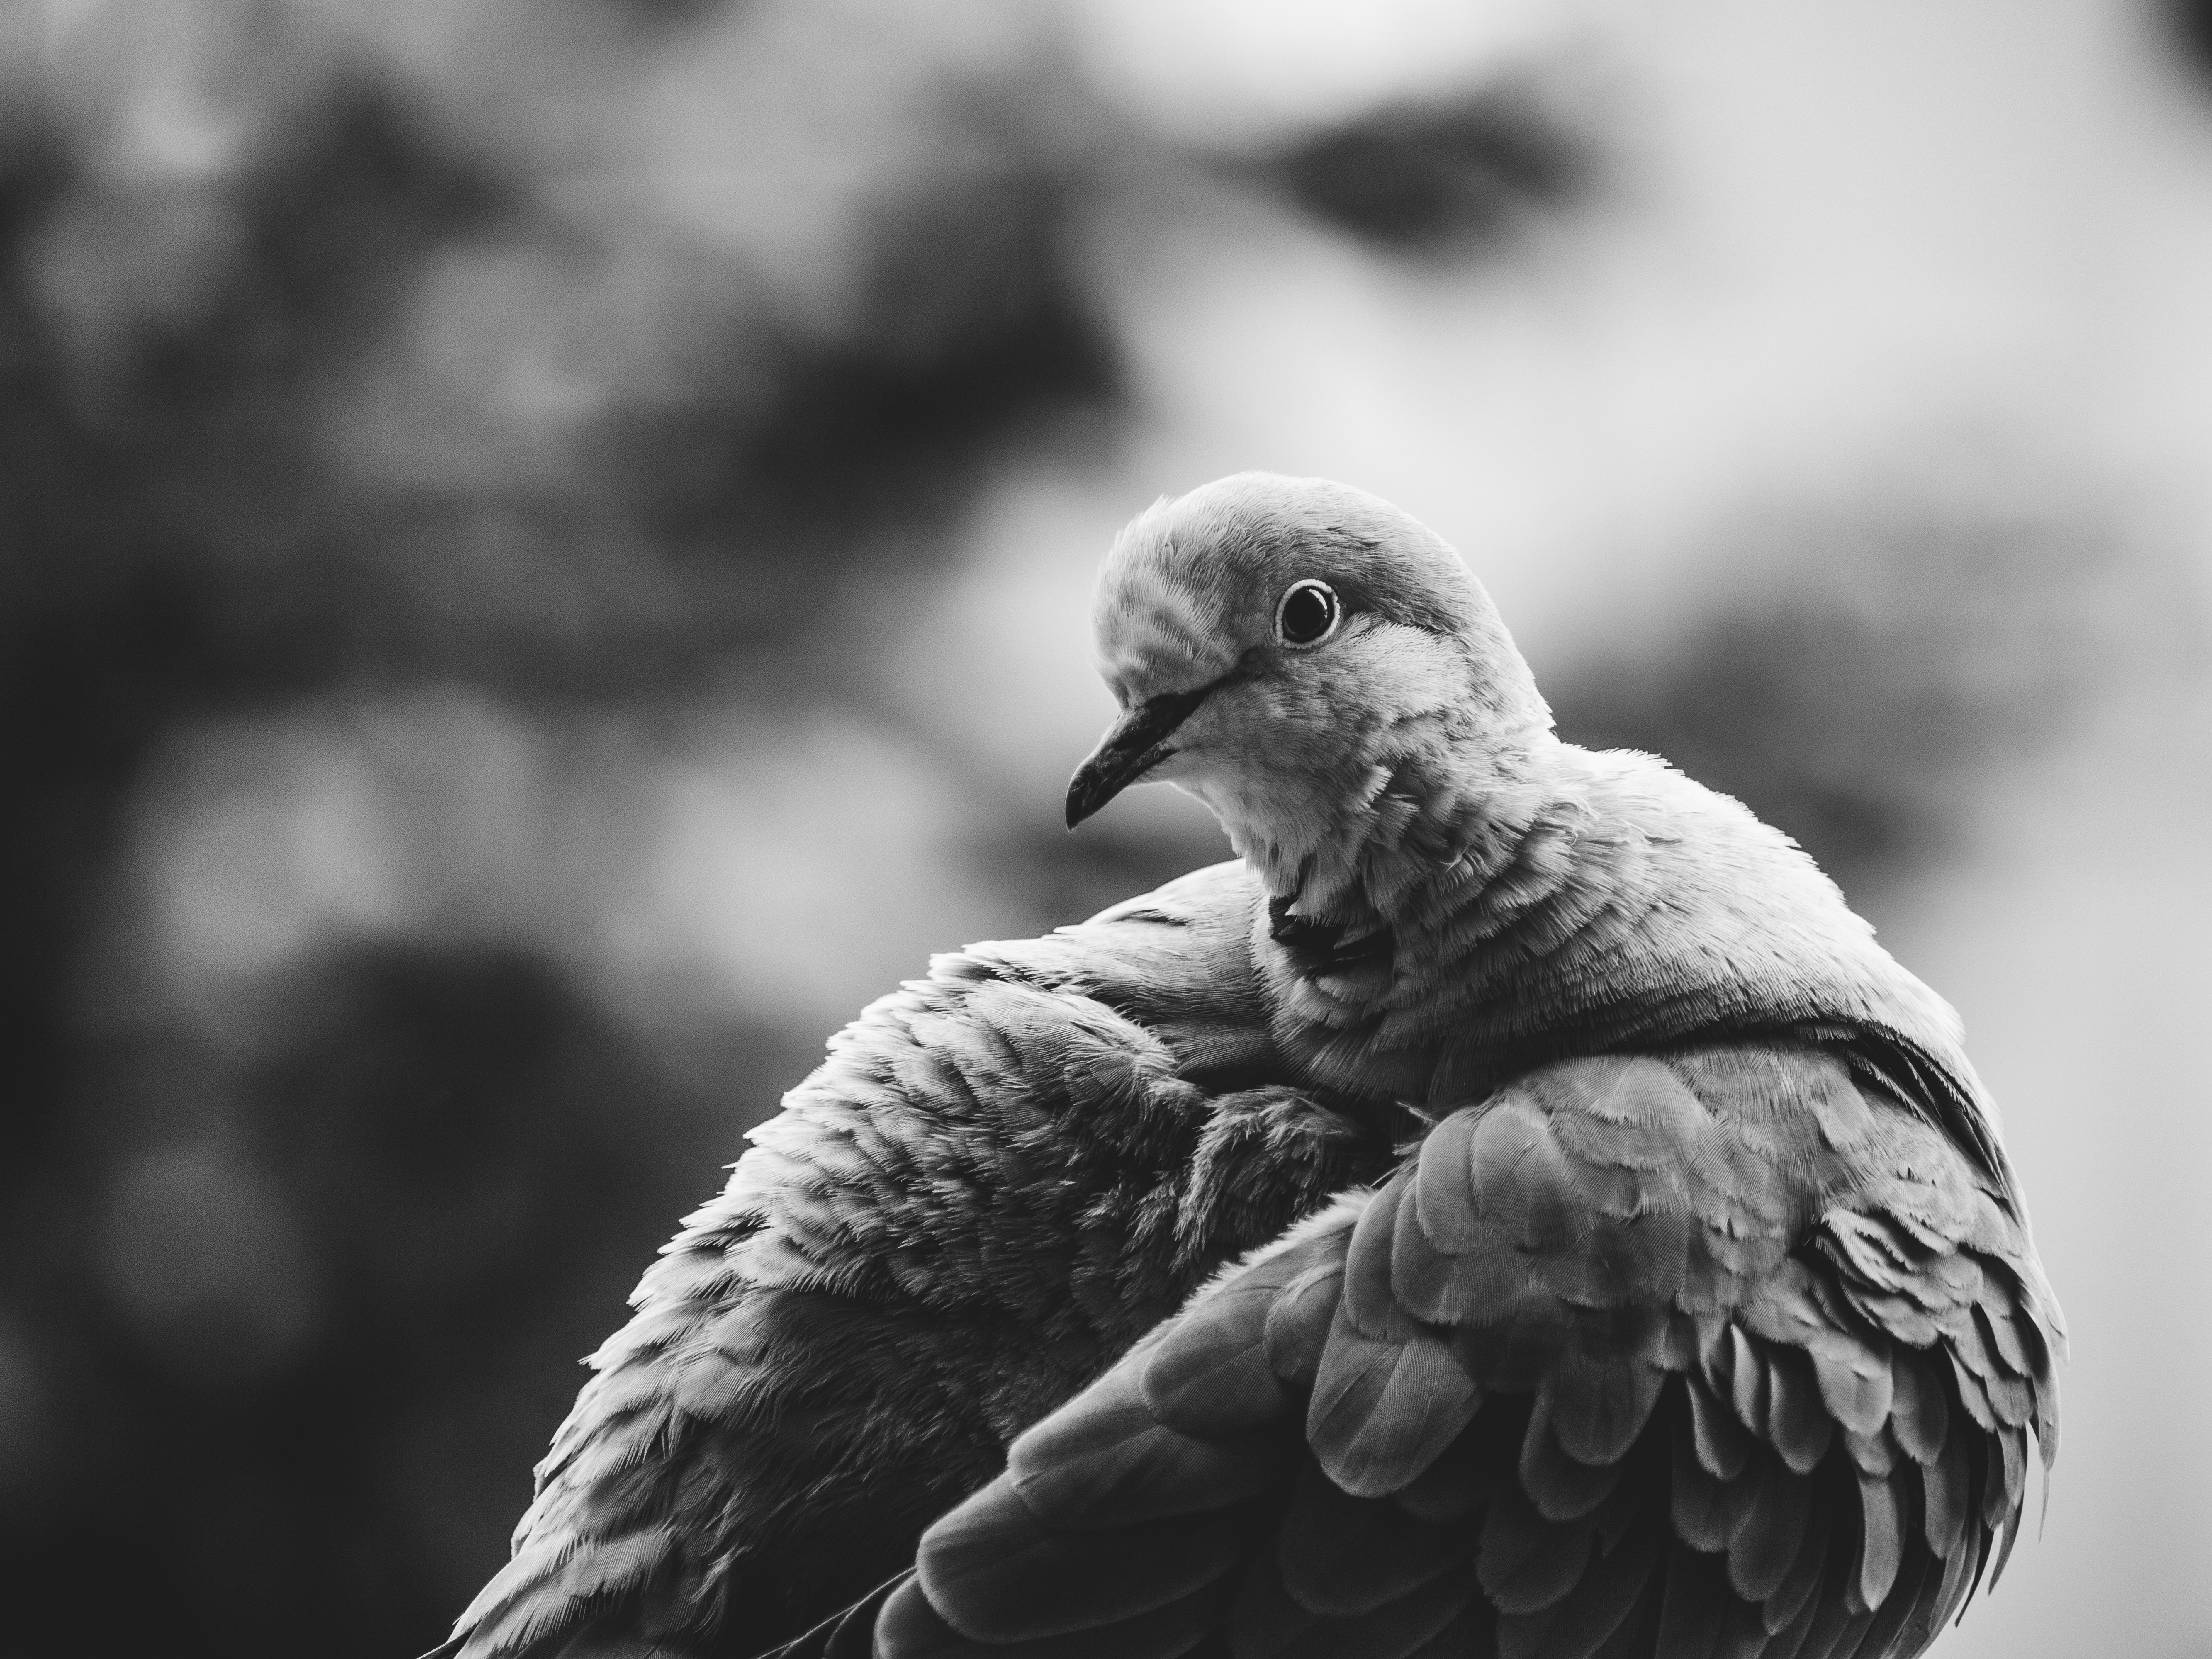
(544, 553)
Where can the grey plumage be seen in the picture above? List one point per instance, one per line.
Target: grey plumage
(1662, 1285)
(1003, 1174)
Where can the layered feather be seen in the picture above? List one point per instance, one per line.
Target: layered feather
(1002, 1175)
(1641, 1356)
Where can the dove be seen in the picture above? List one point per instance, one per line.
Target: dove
(1698, 1315)
(1514, 1208)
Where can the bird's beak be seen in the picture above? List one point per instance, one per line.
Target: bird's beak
(1133, 745)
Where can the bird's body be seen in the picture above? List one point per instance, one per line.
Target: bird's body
(1633, 1264)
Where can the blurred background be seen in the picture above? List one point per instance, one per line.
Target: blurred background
(543, 556)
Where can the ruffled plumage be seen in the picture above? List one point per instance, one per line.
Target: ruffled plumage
(1517, 1209)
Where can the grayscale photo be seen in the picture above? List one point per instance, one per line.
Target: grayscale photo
(1105, 829)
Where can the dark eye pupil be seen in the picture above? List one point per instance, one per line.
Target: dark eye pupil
(1308, 613)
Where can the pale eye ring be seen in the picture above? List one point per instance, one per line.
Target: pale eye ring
(1308, 613)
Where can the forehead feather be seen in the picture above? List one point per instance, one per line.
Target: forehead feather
(1225, 553)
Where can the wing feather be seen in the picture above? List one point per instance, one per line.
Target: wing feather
(1722, 1443)
(1881, 1540)
(1706, 1510)
(1562, 1486)
(1944, 1498)
(1013, 1579)
(1798, 1424)
(1919, 1414)
(1527, 1564)
(1598, 1404)
(1789, 1607)
(1338, 1555)
(1602, 1602)
(1270, 1624)
(1714, 1354)
(1763, 1549)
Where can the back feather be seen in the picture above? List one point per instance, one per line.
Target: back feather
(1001, 1177)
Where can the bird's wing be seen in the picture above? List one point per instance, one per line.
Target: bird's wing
(1002, 1175)
(1720, 1352)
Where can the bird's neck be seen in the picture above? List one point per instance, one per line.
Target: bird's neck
(1435, 814)
(1474, 904)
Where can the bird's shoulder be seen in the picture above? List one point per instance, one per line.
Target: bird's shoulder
(1000, 1174)
(1642, 1353)
(1179, 959)
(1616, 905)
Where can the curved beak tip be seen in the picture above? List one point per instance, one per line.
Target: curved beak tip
(1093, 786)
(1133, 746)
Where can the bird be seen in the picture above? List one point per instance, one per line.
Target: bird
(1514, 1206)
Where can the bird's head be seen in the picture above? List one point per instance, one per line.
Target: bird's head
(1275, 642)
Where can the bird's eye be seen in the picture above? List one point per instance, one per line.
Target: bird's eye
(1308, 615)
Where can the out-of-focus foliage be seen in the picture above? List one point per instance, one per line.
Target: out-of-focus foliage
(542, 547)
(410, 415)
(2191, 23)
(1442, 177)
(1859, 678)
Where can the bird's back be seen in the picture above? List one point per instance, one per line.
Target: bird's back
(1001, 1175)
